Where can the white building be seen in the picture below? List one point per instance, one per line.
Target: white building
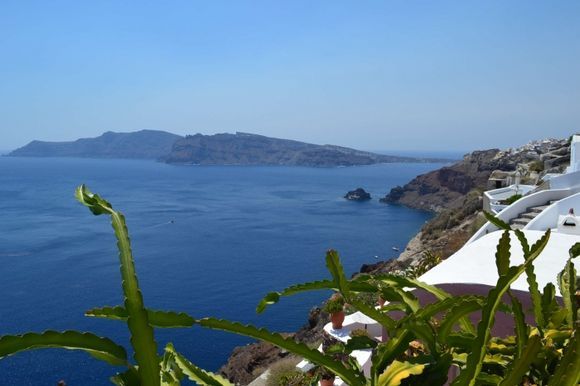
(574, 154)
(555, 207)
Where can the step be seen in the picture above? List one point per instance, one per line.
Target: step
(537, 209)
(530, 215)
(552, 201)
(520, 221)
(518, 226)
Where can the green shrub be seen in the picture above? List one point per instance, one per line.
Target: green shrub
(295, 378)
(536, 166)
(477, 223)
(334, 304)
(285, 373)
(510, 200)
(359, 332)
(449, 218)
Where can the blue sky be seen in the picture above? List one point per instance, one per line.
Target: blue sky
(377, 75)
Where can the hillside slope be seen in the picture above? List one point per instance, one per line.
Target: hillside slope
(144, 144)
(455, 193)
(252, 149)
(445, 188)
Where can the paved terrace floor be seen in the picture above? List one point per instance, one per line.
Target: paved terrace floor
(475, 262)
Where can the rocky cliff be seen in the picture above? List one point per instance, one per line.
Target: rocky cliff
(359, 194)
(455, 194)
(248, 362)
(252, 149)
(445, 188)
(144, 144)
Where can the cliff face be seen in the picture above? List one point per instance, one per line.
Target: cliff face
(251, 149)
(144, 144)
(248, 362)
(455, 193)
(445, 188)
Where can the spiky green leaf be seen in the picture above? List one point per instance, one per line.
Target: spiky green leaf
(549, 305)
(521, 328)
(523, 241)
(142, 338)
(568, 370)
(567, 285)
(534, 290)
(359, 343)
(127, 378)
(475, 359)
(194, 373)
(353, 378)
(400, 296)
(96, 204)
(398, 371)
(502, 255)
(522, 365)
(373, 313)
(274, 297)
(269, 299)
(496, 221)
(404, 282)
(101, 348)
(161, 319)
(485, 379)
(335, 268)
(461, 341)
(574, 250)
(359, 284)
(386, 352)
(467, 305)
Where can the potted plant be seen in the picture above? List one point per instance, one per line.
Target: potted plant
(335, 307)
(380, 301)
(326, 377)
(359, 332)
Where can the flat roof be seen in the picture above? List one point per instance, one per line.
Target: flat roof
(475, 262)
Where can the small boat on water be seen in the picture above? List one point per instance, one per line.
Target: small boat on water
(396, 249)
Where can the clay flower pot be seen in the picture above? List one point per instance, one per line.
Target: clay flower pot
(380, 301)
(337, 318)
(327, 382)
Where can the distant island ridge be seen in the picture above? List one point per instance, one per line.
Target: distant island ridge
(143, 144)
(217, 149)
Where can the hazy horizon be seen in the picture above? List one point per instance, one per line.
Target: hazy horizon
(435, 153)
(400, 76)
(438, 153)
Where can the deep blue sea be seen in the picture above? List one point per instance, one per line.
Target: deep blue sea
(210, 241)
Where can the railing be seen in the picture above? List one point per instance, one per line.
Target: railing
(549, 217)
(521, 206)
(565, 181)
(491, 198)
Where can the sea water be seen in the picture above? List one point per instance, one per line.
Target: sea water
(209, 241)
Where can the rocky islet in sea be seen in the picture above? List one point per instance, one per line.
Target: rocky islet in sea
(359, 194)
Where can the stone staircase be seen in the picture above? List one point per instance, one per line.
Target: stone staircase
(524, 218)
